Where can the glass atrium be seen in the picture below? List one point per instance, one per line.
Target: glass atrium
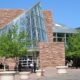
(32, 22)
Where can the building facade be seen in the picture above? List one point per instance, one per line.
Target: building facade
(61, 32)
(38, 26)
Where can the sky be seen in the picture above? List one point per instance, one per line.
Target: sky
(66, 12)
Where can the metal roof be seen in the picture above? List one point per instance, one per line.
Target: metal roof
(60, 28)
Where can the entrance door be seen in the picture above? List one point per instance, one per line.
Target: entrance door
(29, 58)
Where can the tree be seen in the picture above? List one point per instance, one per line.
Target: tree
(13, 43)
(73, 47)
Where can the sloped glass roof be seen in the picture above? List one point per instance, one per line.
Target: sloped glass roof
(32, 22)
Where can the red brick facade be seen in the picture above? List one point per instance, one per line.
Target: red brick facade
(48, 25)
(10, 62)
(51, 53)
(7, 15)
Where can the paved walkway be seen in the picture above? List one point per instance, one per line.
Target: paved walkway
(51, 74)
(72, 74)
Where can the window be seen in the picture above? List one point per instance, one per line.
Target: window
(60, 34)
(58, 37)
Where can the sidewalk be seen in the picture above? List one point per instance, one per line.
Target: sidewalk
(72, 74)
(51, 74)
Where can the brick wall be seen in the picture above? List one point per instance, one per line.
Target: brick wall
(51, 53)
(10, 62)
(7, 15)
(48, 25)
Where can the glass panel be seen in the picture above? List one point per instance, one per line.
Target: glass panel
(60, 39)
(32, 23)
(29, 58)
(54, 39)
(54, 34)
(60, 34)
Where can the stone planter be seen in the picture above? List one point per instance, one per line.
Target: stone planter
(62, 69)
(24, 75)
(7, 75)
(40, 73)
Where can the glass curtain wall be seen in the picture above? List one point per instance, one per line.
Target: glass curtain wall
(32, 22)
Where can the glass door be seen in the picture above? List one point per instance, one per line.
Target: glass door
(28, 59)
